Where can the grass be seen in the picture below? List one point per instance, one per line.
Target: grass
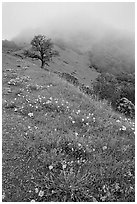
(60, 145)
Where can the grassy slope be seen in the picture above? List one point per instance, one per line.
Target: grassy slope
(71, 62)
(60, 145)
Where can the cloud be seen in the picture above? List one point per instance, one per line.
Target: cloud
(66, 18)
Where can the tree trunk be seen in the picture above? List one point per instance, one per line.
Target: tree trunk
(42, 64)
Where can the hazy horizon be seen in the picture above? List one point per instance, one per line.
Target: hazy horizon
(64, 19)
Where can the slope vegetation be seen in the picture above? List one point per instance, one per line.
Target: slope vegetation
(58, 143)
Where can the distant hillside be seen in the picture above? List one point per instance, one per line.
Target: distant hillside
(108, 50)
(10, 46)
(114, 55)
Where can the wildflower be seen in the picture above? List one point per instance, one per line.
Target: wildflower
(36, 190)
(93, 149)
(76, 133)
(48, 101)
(73, 121)
(41, 193)
(50, 167)
(129, 173)
(82, 119)
(50, 98)
(117, 186)
(15, 109)
(64, 166)
(78, 112)
(3, 195)
(105, 147)
(32, 200)
(118, 121)
(123, 128)
(30, 114)
(79, 144)
(94, 119)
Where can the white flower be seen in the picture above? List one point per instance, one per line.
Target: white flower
(48, 101)
(105, 147)
(76, 133)
(41, 193)
(36, 190)
(64, 166)
(79, 144)
(32, 200)
(3, 195)
(82, 119)
(94, 119)
(78, 112)
(30, 114)
(118, 121)
(50, 167)
(123, 128)
(73, 121)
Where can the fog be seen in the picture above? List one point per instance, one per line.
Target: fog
(105, 30)
(65, 19)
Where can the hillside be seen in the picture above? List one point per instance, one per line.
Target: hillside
(58, 143)
(68, 61)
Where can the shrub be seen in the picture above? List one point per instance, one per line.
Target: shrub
(113, 88)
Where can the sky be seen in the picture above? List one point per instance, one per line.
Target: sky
(66, 17)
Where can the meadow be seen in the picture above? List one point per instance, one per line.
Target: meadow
(60, 144)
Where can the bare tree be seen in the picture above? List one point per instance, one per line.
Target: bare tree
(42, 49)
